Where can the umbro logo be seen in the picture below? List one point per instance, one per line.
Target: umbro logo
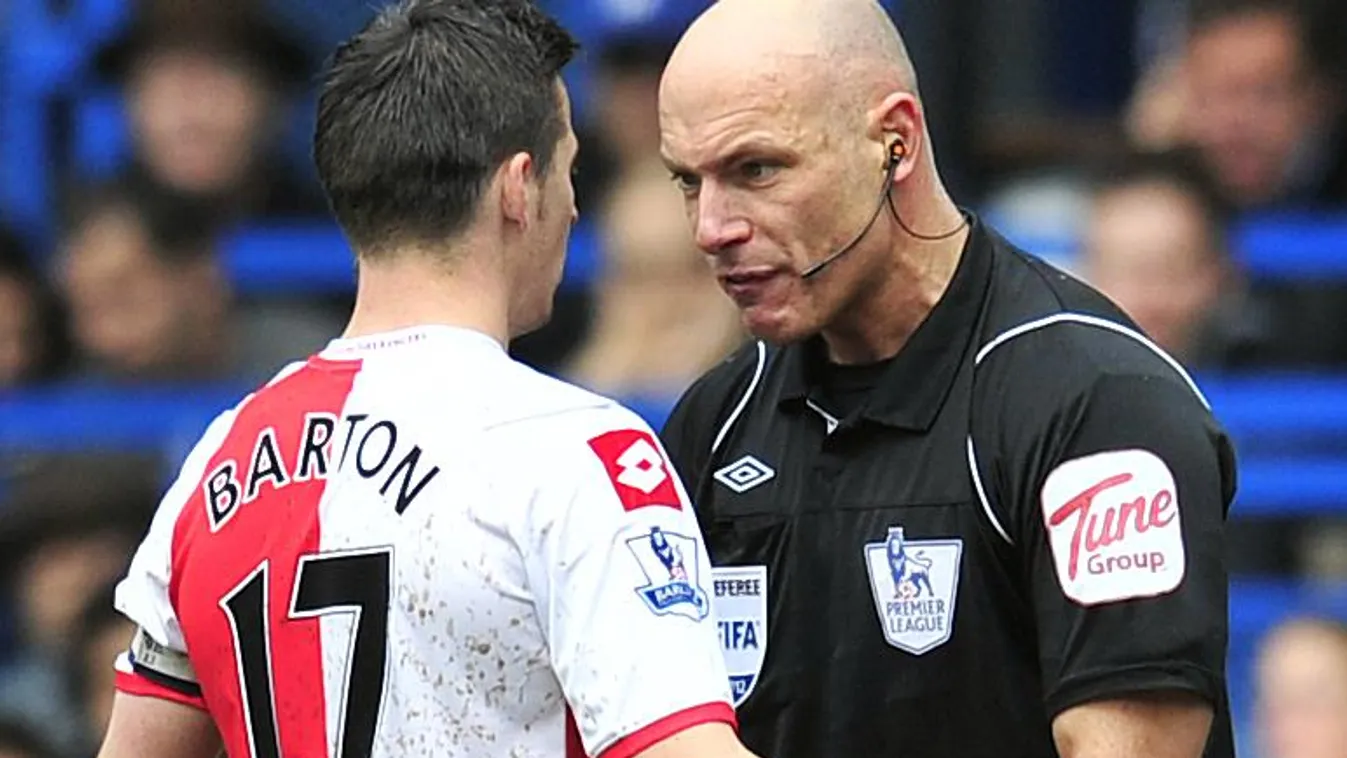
(745, 474)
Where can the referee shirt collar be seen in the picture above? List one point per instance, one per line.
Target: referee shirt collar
(912, 389)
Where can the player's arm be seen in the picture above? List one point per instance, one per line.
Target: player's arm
(1121, 526)
(158, 710)
(715, 739)
(619, 573)
(151, 727)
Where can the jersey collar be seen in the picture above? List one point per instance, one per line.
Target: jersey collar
(913, 388)
(410, 337)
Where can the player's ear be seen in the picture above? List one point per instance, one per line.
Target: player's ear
(519, 190)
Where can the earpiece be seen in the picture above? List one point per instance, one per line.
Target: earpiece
(897, 152)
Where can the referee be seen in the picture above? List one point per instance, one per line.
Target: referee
(958, 504)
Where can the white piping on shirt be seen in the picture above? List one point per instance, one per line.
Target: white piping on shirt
(743, 401)
(1046, 321)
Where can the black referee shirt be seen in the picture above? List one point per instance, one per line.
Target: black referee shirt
(1019, 513)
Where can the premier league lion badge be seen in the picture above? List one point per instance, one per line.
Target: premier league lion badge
(669, 561)
(915, 584)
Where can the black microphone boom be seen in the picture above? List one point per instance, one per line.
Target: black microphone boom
(897, 151)
(830, 260)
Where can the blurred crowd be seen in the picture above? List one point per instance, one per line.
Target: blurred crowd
(1232, 108)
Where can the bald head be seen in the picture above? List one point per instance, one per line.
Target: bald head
(845, 47)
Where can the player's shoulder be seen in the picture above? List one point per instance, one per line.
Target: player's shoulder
(225, 422)
(200, 456)
(543, 411)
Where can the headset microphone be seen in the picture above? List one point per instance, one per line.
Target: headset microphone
(897, 151)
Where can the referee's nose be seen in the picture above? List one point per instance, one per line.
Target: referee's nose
(719, 227)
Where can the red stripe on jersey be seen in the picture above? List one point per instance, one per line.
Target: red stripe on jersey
(224, 537)
(643, 739)
(135, 684)
(575, 748)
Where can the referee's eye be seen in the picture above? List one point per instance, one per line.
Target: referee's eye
(756, 172)
(687, 183)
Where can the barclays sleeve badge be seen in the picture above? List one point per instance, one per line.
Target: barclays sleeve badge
(669, 561)
(915, 583)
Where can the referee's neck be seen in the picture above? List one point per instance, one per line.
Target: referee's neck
(879, 323)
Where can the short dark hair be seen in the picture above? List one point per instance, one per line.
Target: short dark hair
(1179, 168)
(423, 104)
(1318, 25)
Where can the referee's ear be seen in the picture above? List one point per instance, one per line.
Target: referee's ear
(899, 116)
(517, 187)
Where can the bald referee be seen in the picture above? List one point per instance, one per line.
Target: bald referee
(958, 504)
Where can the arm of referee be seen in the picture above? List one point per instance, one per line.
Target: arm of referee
(1121, 498)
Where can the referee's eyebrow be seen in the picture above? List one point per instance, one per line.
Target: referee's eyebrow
(673, 165)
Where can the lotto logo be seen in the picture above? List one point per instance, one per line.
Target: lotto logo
(642, 467)
(744, 474)
(636, 468)
(1114, 527)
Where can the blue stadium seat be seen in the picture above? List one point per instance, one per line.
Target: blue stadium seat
(315, 259)
(102, 137)
(45, 57)
(90, 416)
(1303, 246)
(1271, 409)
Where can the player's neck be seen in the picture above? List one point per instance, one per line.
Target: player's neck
(414, 291)
(883, 318)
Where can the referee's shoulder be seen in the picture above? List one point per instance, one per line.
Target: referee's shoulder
(1052, 337)
(709, 396)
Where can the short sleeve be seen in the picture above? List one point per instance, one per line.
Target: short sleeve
(619, 570)
(157, 664)
(1122, 535)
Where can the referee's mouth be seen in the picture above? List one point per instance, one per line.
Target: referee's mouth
(749, 284)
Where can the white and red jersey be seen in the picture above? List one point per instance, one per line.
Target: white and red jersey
(412, 545)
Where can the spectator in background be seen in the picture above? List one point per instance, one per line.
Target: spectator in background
(1258, 91)
(67, 530)
(17, 740)
(660, 320)
(1302, 690)
(149, 300)
(206, 85)
(1154, 242)
(32, 347)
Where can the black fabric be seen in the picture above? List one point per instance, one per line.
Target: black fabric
(190, 689)
(1020, 649)
(844, 390)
